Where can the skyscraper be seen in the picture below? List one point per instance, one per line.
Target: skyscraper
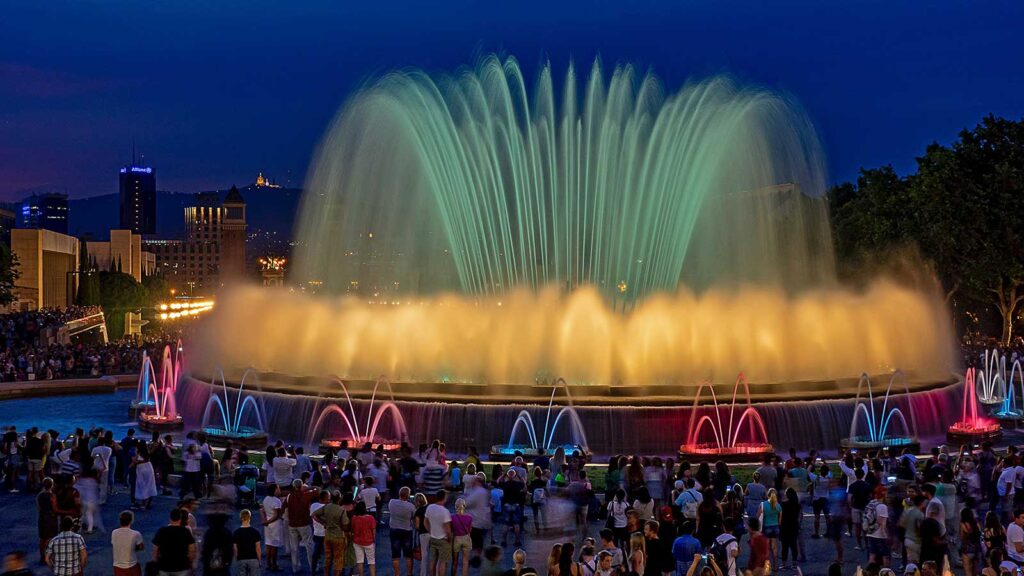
(138, 199)
(46, 212)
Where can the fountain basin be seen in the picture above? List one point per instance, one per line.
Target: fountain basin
(138, 407)
(506, 453)
(337, 444)
(740, 452)
(153, 423)
(899, 443)
(247, 436)
(974, 433)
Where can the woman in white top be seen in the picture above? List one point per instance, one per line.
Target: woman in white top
(145, 479)
(617, 514)
(273, 524)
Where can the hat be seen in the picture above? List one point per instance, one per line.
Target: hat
(910, 568)
(679, 484)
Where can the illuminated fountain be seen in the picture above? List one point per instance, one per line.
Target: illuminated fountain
(147, 376)
(1010, 412)
(726, 442)
(971, 428)
(164, 413)
(356, 435)
(991, 379)
(880, 427)
(232, 429)
(547, 440)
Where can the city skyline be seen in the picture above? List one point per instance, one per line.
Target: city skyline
(211, 94)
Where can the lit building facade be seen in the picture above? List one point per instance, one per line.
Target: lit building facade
(48, 267)
(124, 252)
(213, 250)
(46, 212)
(138, 199)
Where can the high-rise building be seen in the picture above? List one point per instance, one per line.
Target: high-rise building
(213, 250)
(46, 212)
(138, 199)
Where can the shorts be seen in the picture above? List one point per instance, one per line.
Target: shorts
(35, 465)
(133, 571)
(771, 531)
(513, 514)
(366, 554)
(441, 549)
(856, 516)
(462, 544)
(820, 506)
(878, 546)
(401, 544)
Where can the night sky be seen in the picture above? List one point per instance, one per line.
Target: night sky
(212, 92)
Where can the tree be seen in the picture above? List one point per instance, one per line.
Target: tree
(961, 209)
(88, 279)
(8, 275)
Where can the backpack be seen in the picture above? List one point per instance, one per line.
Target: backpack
(690, 504)
(869, 519)
(720, 551)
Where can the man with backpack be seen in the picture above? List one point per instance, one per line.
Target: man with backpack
(874, 522)
(689, 500)
(726, 549)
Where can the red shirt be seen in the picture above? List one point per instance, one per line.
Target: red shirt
(297, 504)
(364, 529)
(758, 551)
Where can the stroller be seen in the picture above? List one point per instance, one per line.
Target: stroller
(245, 479)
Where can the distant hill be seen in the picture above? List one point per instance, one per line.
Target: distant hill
(267, 209)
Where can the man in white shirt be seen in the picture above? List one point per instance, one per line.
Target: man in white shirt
(877, 534)
(318, 529)
(1015, 538)
(370, 495)
(935, 509)
(283, 467)
(101, 464)
(125, 544)
(732, 549)
(1005, 487)
(439, 524)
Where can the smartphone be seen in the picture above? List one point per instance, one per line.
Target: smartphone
(890, 479)
(704, 557)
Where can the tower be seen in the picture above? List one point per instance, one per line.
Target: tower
(233, 239)
(138, 199)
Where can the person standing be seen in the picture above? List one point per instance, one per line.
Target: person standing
(400, 515)
(48, 523)
(300, 523)
(65, 553)
(246, 541)
(101, 465)
(125, 544)
(272, 513)
(462, 542)
(335, 520)
(145, 479)
(318, 528)
(876, 527)
(439, 526)
(174, 547)
(364, 532)
(218, 547)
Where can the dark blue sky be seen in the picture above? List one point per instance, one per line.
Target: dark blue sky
(212, 92)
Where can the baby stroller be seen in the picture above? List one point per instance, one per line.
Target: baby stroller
(246, 476)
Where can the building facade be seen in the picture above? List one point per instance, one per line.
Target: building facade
(46, 212)
(213, 250)
(138, 199)
(123, 252)
(48, 267)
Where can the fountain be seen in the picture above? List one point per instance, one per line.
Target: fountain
(880, 433)
(232, 430)
(1010, 411)
(971, 428)
(143, 401)
(991, 379)
(726, 443)
(358, 436)
(546, 441)
(164, 415)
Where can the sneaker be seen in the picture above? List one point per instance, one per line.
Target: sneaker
(858, 547)
(14, 490)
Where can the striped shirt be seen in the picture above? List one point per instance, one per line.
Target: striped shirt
(65, 550)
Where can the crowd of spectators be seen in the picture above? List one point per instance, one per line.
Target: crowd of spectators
(30, 352)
